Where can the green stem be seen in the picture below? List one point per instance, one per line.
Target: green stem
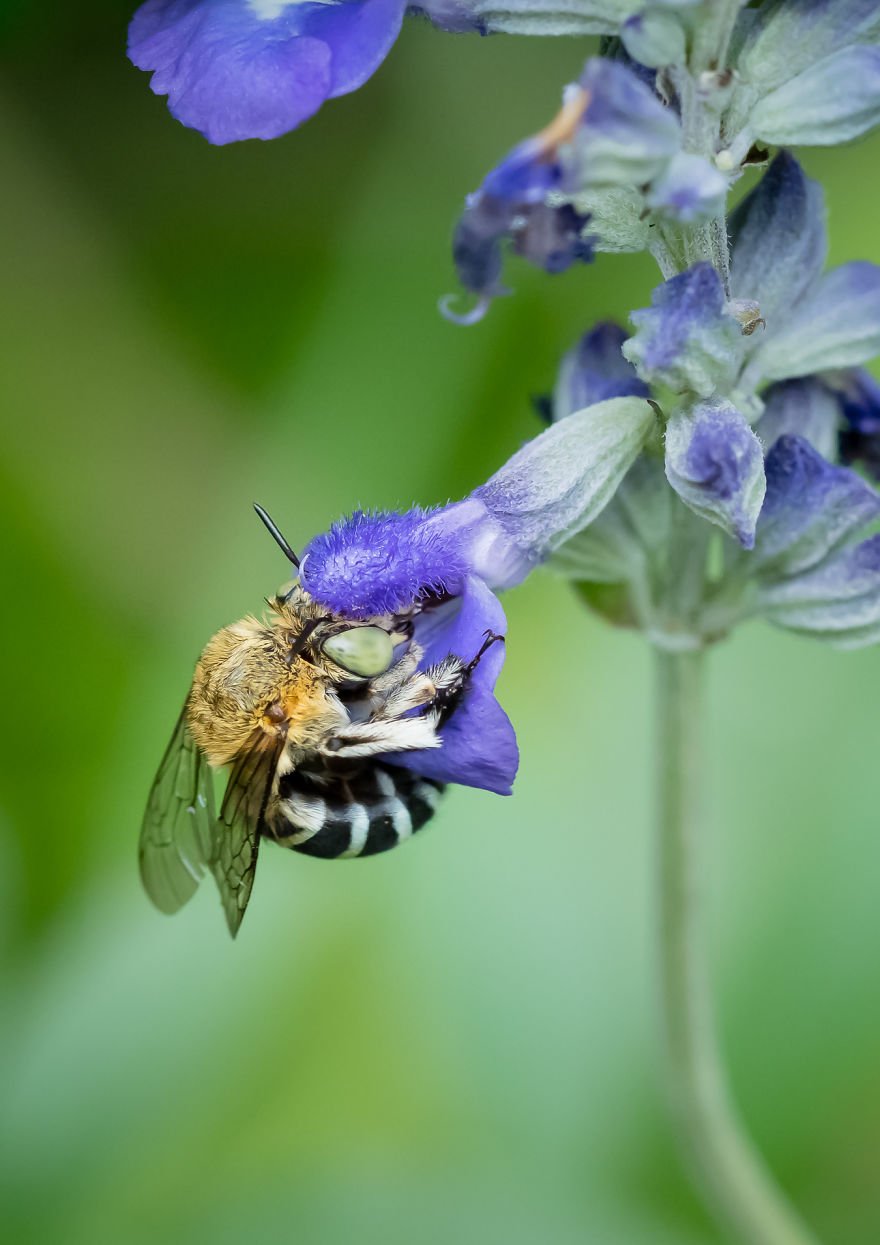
(730, 1173)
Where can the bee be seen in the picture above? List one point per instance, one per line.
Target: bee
(303, 709)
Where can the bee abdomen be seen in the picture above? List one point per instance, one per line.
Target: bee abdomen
(380, 807)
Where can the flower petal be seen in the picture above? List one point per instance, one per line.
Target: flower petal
(235, 70)
(626, 137)
(811, 509)
(716, 465)
(560, 481)
(836, 325)
(859, 396)
(478, 741)
(789, 37)
(654, 38)
(595, 370)
(838, 600)
(832, 101)
(802, 408)
(686, 339)
(778, 236)
(376, 563)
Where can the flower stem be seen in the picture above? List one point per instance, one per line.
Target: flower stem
(729, 1172)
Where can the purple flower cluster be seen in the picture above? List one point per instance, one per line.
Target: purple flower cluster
(740, 392)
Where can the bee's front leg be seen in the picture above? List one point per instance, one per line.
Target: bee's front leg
(450, 678)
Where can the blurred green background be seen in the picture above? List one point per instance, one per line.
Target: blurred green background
(451, 1043)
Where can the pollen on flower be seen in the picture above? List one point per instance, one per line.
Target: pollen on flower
(382, 562)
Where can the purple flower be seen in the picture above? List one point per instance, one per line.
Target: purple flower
(806, 408)
(815, 321)
(236, 69)
(595, 370)
(445, 566)
(857, 396)
(778, 237)
(512, 207)
(716, 465)
(686, 339)
(811, 576)
(837, 412)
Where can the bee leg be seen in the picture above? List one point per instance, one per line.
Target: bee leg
(491, 638)
(404, 668)
(365, 739)
(451, 678)
(418, 690)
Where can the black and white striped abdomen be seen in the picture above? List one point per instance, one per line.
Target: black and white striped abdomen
(359, 813)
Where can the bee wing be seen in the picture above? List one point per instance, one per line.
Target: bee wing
(179, 832)
(241, 822)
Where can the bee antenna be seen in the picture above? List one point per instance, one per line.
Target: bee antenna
(276, 536)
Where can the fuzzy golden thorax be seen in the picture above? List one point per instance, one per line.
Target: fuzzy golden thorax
(246, 686)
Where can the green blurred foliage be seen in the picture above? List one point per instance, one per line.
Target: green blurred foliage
(455, 1042)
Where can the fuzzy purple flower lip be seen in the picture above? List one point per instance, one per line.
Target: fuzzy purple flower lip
(382, 562)
(238, 69)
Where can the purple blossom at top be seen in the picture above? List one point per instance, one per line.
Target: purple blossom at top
(238, 69)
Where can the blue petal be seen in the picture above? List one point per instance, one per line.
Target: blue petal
(233, 74)
(778, 236)
(716, 465)
(510, 207)
(478, 741)
(803, 408)
(595, 370)
(686, 339)
(811, 508)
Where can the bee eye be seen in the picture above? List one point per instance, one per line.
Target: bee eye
(365, 651)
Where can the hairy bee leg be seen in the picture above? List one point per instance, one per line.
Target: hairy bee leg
(401, 672)
(419, 690)
(365, 739)
(451, 677)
